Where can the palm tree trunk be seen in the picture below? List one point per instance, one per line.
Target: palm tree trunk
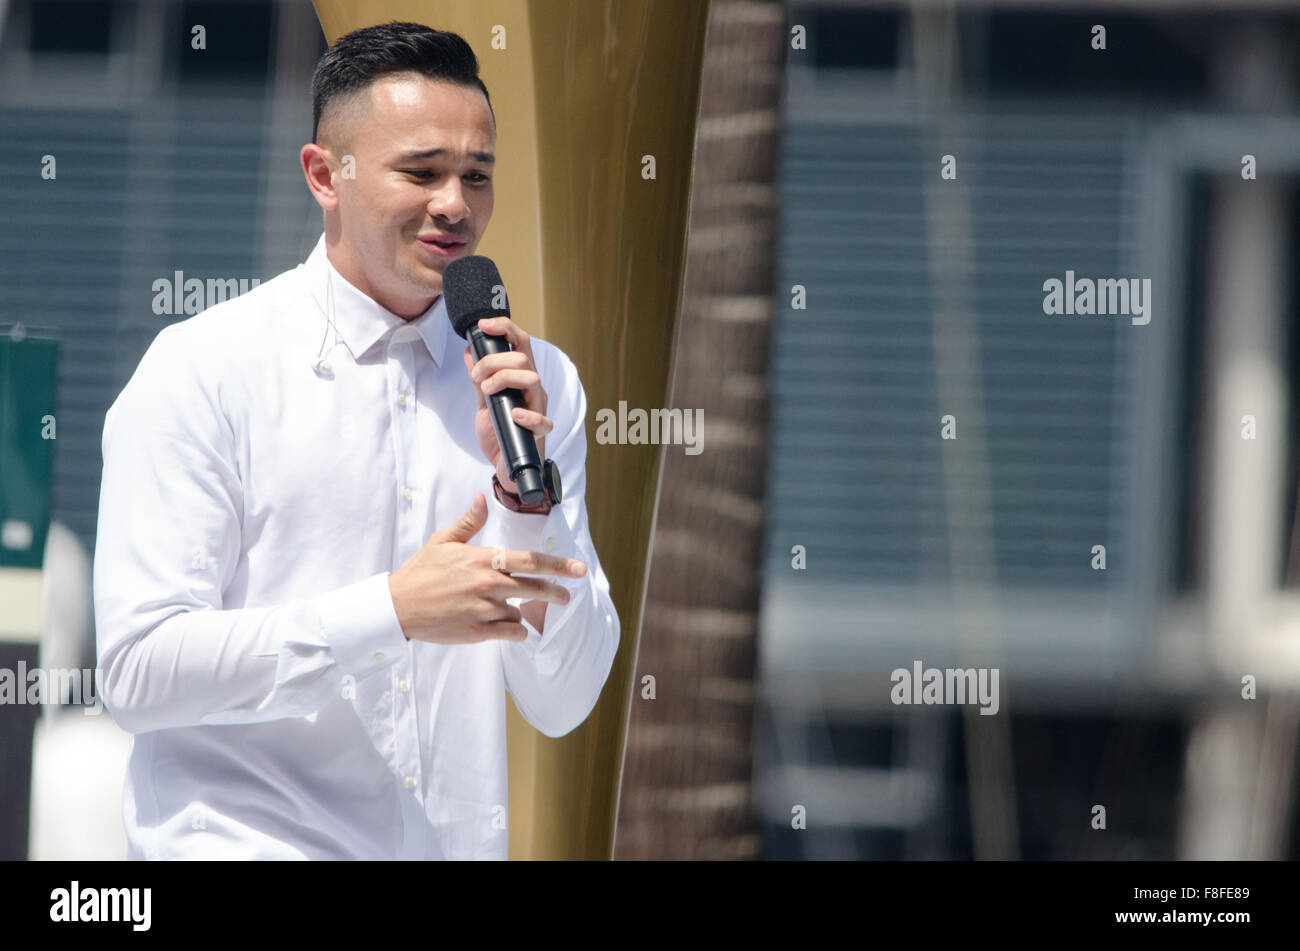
(687, 780)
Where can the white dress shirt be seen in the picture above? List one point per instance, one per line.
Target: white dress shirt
(250, 513)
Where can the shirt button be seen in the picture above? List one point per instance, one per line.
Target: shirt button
(410, 782)
(401, 399)
(378, 658)
(403, 686)
(550, 544)
(406, 494)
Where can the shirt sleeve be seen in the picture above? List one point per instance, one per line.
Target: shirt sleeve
(556, 676)
(168, 543)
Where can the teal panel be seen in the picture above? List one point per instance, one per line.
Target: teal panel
(28, 372)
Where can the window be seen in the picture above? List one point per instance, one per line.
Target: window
(71, 26)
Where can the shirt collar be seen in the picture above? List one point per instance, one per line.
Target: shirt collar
(362, 322)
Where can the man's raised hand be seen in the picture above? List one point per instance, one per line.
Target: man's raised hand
(451, 592)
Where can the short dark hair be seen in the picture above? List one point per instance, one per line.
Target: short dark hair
(362, 56)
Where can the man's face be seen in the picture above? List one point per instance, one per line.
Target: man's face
(423, 152)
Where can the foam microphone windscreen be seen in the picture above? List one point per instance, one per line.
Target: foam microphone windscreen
(474, 290)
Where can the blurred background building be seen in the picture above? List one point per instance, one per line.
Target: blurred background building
(167, 158)
(922, 298)
(1119, 687)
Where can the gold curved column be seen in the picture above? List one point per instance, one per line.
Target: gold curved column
(593, 253)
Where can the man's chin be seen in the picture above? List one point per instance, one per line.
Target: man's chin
(426, 277)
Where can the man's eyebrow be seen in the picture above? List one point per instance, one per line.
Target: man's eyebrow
(485, 158)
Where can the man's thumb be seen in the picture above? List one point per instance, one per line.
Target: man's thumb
(468, 525)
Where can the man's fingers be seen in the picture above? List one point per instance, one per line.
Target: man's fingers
(478, 391)
(523, 380)
(533, 563)
(467, 526)
(533, 421)
(504, 326)
(536, 589)
(491, 611)
(508, 360)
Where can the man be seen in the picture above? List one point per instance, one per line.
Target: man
(275, 458)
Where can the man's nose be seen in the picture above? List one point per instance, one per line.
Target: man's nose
(449, 201)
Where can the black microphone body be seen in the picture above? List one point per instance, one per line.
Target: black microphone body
(473, 288)
(518, 445)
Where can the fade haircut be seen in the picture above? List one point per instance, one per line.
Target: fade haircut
(363, 56)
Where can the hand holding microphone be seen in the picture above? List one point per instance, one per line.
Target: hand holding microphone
(511, 422)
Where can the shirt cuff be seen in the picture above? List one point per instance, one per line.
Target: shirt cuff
(360, 625)
(550, 535)
(524, 531)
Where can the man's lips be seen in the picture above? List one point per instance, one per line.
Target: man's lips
(442, 245)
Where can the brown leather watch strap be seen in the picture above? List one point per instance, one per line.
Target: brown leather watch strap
(515, 504)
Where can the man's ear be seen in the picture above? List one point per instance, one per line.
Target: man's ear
(321, 168)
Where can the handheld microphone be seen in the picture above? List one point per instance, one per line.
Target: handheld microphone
(473, 289)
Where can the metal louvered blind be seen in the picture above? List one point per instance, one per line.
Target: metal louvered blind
(857, 466)
(140, 193)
